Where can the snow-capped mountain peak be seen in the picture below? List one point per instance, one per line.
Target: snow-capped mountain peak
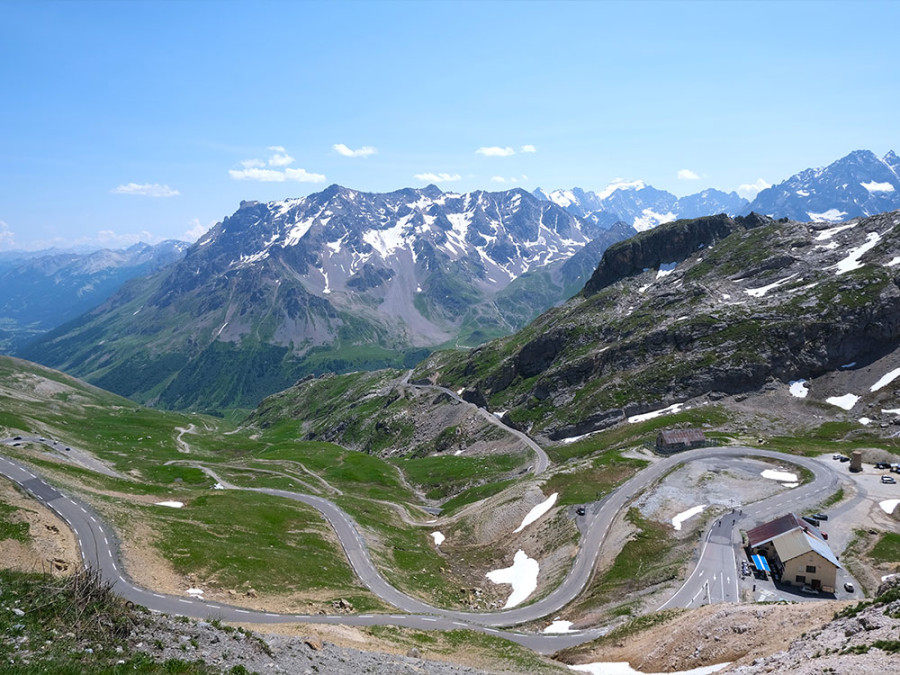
(857, 185)
(640, 205)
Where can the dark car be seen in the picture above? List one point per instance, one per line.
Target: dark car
(820, 516)
(17, 438)
(580, 511)
(811, 520)
(882, 465)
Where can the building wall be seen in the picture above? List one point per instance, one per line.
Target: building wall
(825, 573)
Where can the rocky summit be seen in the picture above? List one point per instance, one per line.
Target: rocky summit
(698, 310)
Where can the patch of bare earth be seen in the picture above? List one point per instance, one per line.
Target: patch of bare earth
(736, 634)
(51, 545)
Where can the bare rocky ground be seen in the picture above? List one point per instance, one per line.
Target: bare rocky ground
(717, 485)
(773, 638)
(52, 550)
(224, 648)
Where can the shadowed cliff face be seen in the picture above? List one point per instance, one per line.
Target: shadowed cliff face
(750, 301)
(671, 243)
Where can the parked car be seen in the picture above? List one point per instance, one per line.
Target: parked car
(820, 516)
(848, 587)
(580, 511)
(17, 438)
(888, 479)
(844, 458)
(811, 521)
(810, 590)
(882, 465)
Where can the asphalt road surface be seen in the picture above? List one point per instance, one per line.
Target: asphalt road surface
(100, 549)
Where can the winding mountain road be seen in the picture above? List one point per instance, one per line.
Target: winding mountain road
(99, 548)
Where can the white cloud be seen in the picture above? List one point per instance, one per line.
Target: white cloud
(437, 177)
(364, 151)
(750, 190)
(275, 176)
(146, 190)
(196, 230)
(498, 179)
(7, 236)
(495, 151)
(304, 176)
(263, 175)
(529, 148)
(687, 174)
(280, 158)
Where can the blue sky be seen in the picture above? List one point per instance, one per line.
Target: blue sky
(150, 120)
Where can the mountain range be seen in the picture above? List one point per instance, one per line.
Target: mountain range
(335, 281)
(642, 206)
(42, 290)
(344, 280)
(860, 184)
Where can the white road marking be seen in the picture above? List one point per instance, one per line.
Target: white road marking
(157, 595)
(268, 614)
(187, 602)
(428, 618)
(241, 611)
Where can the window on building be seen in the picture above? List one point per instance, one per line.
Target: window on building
(801, 579)
(811, 569)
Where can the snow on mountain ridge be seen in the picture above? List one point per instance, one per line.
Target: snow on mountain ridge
(857, 185)
(340, 233)
(640, 205)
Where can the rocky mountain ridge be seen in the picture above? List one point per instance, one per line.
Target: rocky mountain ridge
(696, 311)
